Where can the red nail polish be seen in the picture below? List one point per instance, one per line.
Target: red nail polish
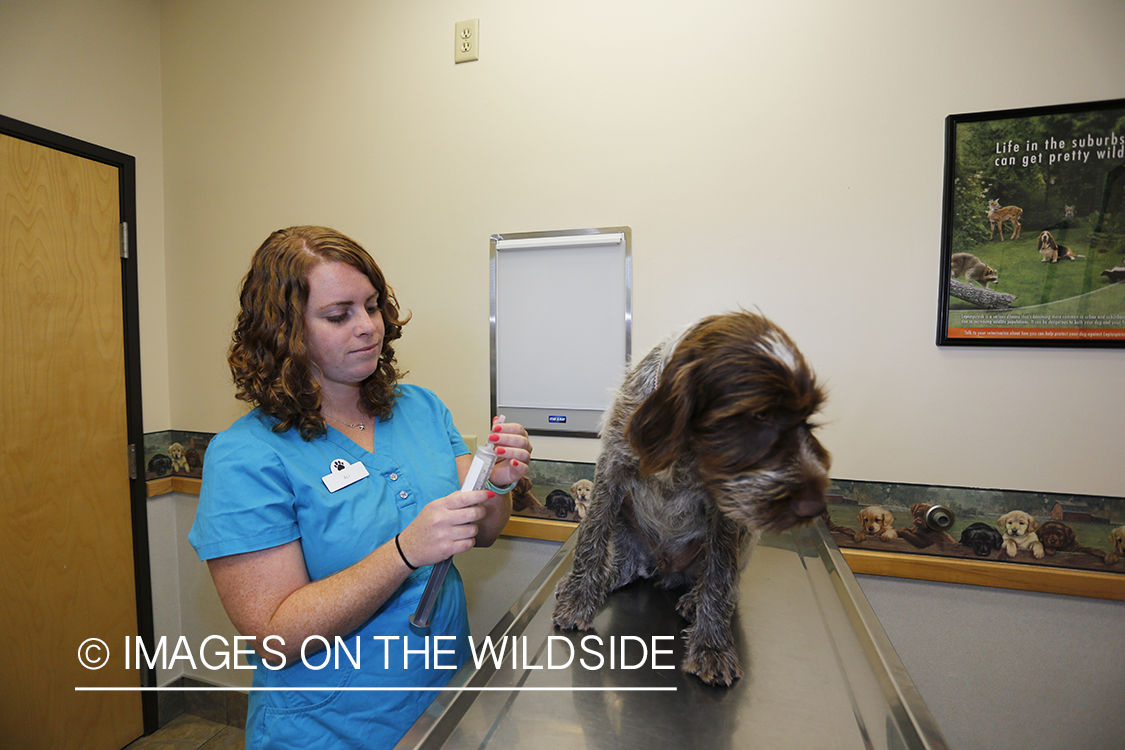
(500, 451)
(491, 494)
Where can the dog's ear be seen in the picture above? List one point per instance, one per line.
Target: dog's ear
(1032, 524)
(888, 518)
(658, 430)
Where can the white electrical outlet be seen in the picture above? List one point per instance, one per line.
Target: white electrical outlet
(466, 40)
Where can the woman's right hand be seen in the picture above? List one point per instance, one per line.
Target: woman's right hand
(445, 527)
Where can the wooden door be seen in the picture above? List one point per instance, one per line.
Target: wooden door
(66, 540)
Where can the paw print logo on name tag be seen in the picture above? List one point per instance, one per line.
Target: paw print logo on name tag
(342, 474)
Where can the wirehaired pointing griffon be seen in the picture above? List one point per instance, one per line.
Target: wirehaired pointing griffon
(708, 443)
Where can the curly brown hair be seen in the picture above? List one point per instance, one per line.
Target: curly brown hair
(269, 356)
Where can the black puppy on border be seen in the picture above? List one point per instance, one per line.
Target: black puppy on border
(708, 443)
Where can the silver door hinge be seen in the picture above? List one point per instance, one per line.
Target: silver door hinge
(132, 461)
(125, 240)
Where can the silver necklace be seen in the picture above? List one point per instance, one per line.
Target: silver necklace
(360, 426)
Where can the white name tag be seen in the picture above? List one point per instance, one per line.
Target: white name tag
(343, 474)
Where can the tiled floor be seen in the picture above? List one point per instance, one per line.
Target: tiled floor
(187, 732)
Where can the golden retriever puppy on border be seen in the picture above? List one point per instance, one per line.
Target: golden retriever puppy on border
(581, 491)
(1117, 536)
(1018, 529)
(876, 521)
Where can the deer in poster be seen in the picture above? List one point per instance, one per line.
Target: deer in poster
(997, 216)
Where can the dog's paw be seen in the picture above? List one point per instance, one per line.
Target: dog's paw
(687, 605)
(715, 666)
(574, 607)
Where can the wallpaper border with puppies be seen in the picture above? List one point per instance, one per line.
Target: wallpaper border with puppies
(175, 453)
(1050, 541)
(1006, 538)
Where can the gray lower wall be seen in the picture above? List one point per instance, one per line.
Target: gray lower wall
(1009, 670)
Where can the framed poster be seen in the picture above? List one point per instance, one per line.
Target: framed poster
(561, 326)
(1033, 227)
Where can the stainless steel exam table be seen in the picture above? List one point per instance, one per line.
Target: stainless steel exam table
(820, 672)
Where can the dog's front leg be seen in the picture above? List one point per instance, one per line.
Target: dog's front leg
(584, 587)
(710, 651)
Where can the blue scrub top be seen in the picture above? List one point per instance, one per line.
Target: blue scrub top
(262, 489)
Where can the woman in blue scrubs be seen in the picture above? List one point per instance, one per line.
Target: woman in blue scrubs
(324, 507)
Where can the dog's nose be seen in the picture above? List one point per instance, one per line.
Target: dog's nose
(809, 507)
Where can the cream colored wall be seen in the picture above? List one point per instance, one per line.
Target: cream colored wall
(90, 69)
(780, 156)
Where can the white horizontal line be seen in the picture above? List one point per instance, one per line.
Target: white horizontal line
(378, 689)
(561, 240)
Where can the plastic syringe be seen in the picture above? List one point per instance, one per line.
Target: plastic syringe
(479, 472)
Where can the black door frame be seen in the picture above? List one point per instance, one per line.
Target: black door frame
(138, 494)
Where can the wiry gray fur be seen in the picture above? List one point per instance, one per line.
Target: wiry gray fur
(687, 522)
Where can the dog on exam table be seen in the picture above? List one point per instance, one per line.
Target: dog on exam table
(708, 443)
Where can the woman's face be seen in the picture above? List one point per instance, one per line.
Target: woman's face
(343, 325)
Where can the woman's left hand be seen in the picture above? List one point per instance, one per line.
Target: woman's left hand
(513, 451)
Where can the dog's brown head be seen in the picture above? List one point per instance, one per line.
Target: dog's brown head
(522, 499)
(1056, 535)
(737, 396)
